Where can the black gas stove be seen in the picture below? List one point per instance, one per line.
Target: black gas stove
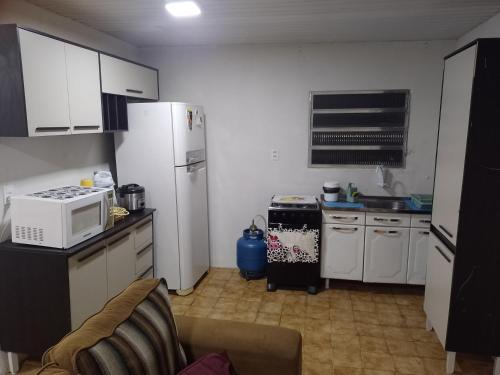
(289, 265)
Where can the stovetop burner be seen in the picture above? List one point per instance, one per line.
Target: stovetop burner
(294, 202)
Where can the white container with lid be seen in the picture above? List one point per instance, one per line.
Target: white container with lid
(331, 190)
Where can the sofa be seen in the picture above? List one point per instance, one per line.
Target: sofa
(136, 333)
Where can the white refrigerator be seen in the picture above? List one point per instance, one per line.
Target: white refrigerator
(164, 151)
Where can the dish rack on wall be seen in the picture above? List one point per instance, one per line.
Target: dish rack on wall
(358, 128)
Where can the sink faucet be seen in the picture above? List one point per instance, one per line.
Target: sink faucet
(380, 176)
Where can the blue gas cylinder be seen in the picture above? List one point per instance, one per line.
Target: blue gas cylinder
(251, 253)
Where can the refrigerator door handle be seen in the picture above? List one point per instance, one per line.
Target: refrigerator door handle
(195, 167)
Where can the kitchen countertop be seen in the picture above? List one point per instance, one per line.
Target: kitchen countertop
(406, 210)
(129, 220)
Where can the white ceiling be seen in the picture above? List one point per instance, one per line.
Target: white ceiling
(145, 22)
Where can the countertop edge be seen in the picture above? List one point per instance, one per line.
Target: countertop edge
(377, 210)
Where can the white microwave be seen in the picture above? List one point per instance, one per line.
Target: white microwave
(61, 217)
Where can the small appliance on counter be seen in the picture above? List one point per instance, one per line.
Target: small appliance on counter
(293, 242)
(61, 217)
(132, 197)
(331, 190)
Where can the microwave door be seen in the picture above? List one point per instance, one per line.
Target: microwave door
(84, 219)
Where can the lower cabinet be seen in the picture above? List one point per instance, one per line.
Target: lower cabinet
(438, 286)
(342, 251)
(104, 270)
(417, 256)
(64, 287)
(386, 254)
(87, 271)
(120, 263)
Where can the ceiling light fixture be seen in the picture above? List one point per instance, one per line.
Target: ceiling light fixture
(183, 8)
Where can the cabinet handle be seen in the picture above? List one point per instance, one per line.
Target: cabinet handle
(135, 91)
(383, 219)
(379, 231)
(86, 127)
(144, 224)
(119, 239)
(145, 272)
(446, 231)
(143, 250)
(425, 221)
(442, 253)
(344, 217)
(84, 258)
(345, 229)
(51, 129)
(423, 232)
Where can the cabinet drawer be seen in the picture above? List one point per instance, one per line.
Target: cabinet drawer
(390, 220)
(148, 274)
(121, 77)
(144, 260)
(421, 221)
(144, 234)
(343, 217)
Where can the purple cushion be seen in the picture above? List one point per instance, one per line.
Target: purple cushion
(210, 364)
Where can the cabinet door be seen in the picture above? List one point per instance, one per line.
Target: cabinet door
(45, 84)
(84, 90)
(87, 283)
(386, 254)
(453, 128)
(121, 77)
(417, 256)
(342, 249)
(121, 263)
(438, 286)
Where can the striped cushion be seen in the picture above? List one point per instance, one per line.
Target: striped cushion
(145, 344)
(134, 334)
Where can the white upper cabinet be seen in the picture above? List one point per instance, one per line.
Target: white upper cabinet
(45, 84)
(84, 89)
(121, 77)
(453, 129)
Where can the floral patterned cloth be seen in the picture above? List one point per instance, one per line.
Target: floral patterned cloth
(292, 245)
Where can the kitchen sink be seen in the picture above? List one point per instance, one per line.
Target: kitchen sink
(386, 203)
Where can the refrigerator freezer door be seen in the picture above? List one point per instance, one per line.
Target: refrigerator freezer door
(192, 214)
(189, 133)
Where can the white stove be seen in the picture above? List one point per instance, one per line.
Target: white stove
(294, 201)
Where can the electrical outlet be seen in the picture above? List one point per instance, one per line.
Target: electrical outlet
(8, 191)
(275, 155)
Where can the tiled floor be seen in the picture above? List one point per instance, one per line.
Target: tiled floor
(351, 328)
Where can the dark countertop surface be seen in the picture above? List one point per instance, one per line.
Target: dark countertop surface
(406, 210)
(129, 220)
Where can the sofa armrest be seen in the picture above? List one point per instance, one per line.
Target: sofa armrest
(252, 348)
